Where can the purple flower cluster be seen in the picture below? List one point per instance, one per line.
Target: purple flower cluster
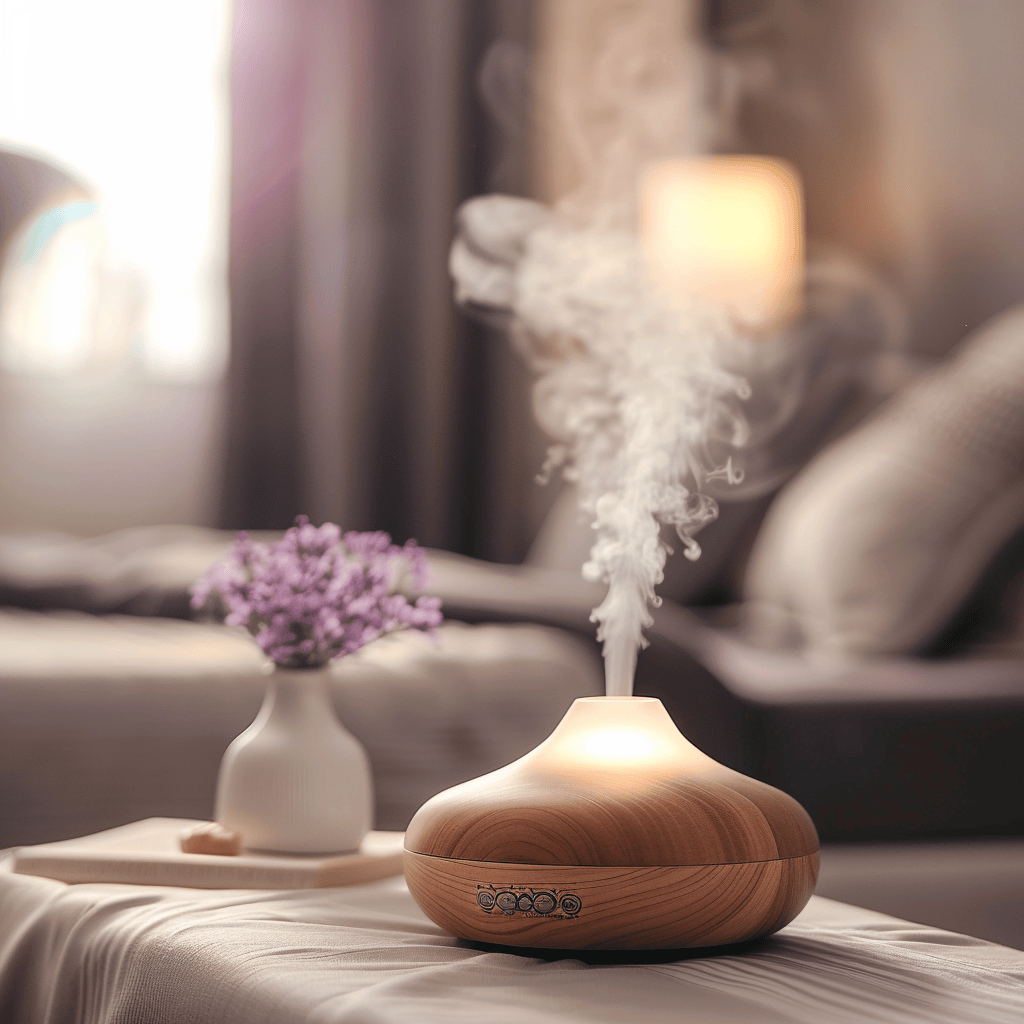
(315, 595)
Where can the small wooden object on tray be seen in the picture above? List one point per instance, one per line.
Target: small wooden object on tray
(148, 852)
(210, 837)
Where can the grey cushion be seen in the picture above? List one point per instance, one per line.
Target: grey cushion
(874, 547)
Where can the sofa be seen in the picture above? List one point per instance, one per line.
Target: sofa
(869, 658)
(115, 707)
(108, 715)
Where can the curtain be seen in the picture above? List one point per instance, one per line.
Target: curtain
(357, 392)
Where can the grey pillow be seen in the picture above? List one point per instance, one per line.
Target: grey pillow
(877, 543)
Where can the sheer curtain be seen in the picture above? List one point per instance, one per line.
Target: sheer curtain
(357, 392)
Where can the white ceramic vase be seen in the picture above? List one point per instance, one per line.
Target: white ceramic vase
(296, 781)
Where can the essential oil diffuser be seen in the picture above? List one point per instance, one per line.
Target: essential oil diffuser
(614, 833)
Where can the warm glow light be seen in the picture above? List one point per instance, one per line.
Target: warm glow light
(726, 230)
(618, 744)
(613, 732)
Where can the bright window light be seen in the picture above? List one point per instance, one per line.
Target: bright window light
(49, 293)
(130, 97)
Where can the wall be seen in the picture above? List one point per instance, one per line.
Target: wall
(90, 454)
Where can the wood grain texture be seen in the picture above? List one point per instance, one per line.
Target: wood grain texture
(610, 907)
(562, 805)
(627, 835)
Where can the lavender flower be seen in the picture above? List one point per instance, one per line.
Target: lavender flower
(314, 595)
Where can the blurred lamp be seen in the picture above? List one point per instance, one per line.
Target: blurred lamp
(727, 231)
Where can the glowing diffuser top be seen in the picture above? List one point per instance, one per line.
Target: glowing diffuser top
(616, 784)
(726, 230)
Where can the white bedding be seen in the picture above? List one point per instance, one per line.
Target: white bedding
(132, 955)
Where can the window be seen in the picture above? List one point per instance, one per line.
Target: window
(130, 99)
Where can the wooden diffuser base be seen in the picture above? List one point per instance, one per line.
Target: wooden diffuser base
(614, 833)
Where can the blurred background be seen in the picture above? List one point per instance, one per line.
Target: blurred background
(225, 300)
(299, 164)
(225, 230)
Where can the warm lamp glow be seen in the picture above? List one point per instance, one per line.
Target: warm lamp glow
(726, 230)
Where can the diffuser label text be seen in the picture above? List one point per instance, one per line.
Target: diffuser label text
(528, 901)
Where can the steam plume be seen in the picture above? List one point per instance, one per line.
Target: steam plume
(631, 387)
(641, 392)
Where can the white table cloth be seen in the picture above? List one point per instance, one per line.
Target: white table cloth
(122, 954)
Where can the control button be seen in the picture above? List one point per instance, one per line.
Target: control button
(570, 903)
(506, 901)
(543, 902)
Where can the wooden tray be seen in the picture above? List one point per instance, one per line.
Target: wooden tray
(147, 853)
